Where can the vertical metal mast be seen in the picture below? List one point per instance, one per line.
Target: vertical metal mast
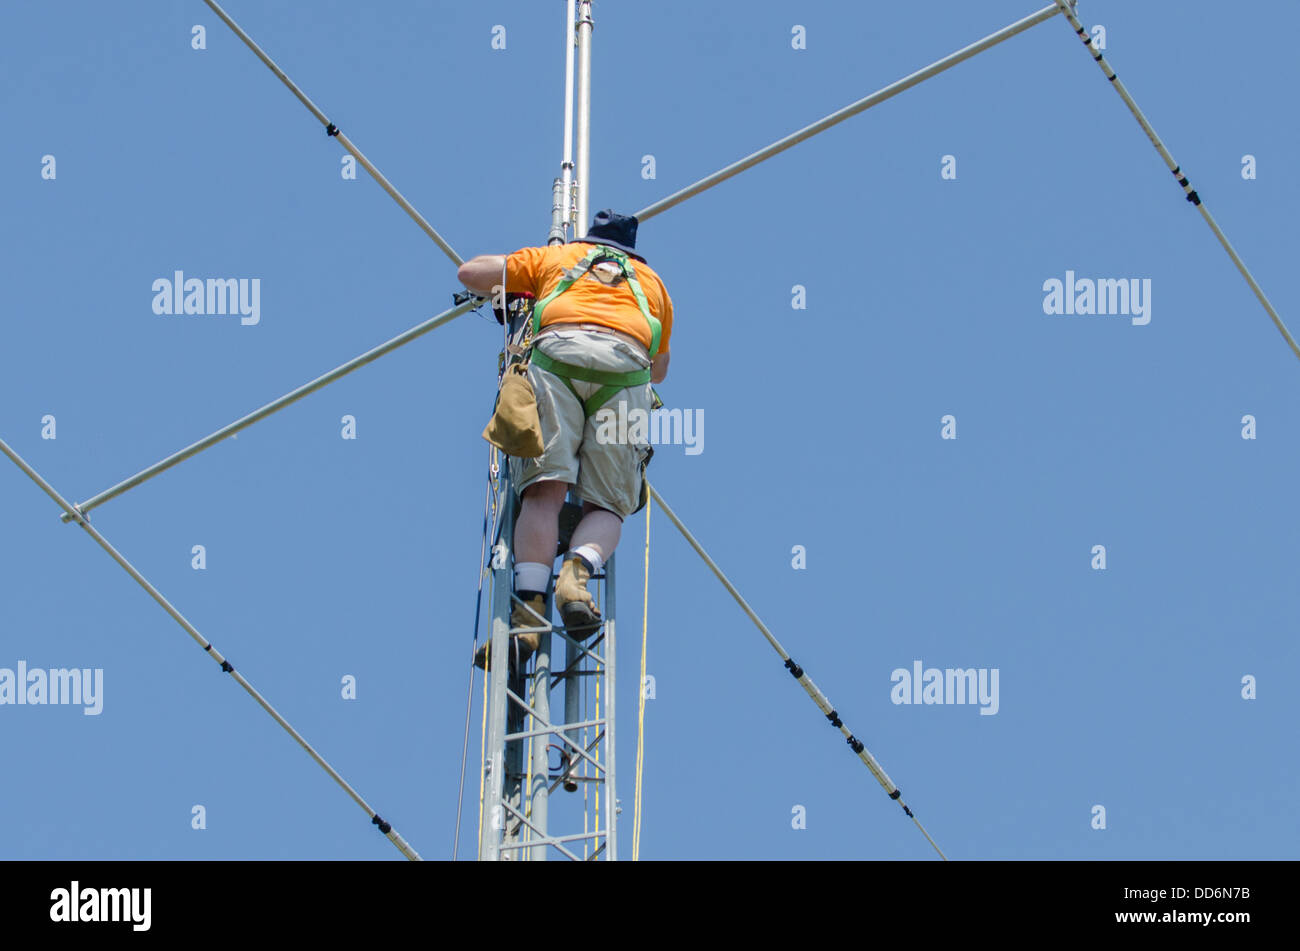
(562, 191)
(585, 26)
(518, 809)
(582, 27)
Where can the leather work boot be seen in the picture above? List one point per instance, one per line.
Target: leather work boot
(577, 607)
(522, 646)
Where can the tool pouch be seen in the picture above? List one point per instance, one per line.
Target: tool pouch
(515, 427)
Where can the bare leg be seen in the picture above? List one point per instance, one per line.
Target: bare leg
(537, 532)
(599, 528)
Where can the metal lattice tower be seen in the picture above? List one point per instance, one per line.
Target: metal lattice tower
(524, 725)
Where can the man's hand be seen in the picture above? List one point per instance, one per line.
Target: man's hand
(483, 273)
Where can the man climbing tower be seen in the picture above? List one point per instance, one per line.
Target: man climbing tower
(600, 333)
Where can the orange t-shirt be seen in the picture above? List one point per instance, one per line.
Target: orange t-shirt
(537, 271)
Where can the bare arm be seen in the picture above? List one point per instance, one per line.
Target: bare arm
(482, 273)
(659, 369)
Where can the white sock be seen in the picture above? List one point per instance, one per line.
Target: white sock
(532, 576)
(593, 556)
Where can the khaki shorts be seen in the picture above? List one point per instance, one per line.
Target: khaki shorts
(606, 465)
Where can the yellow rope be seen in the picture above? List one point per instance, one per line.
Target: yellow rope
(528, 773)
(640, 727)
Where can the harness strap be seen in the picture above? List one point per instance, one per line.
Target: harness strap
(599, 253)
(611, 382)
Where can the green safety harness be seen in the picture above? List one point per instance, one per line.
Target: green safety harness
(610, 382)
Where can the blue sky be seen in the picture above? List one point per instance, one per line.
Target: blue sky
(328, 557)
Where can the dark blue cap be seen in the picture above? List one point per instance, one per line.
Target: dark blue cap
(617, 231)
